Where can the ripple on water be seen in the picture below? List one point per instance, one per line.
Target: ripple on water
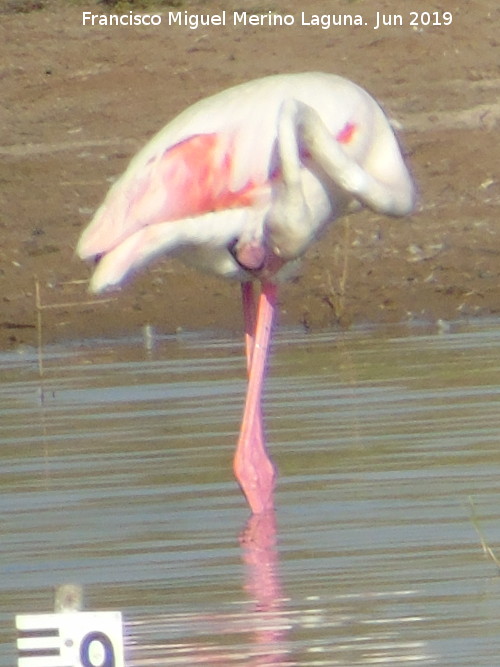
(116, 474)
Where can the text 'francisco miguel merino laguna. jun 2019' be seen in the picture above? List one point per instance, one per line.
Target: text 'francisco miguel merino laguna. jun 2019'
(413, 19)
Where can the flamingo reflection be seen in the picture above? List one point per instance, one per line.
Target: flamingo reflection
(263, 584)
(256, 633)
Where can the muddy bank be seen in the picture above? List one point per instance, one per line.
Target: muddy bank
(77, 102)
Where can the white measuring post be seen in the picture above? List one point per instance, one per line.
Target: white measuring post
(70, 639)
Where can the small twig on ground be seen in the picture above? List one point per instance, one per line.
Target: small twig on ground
(336, 297)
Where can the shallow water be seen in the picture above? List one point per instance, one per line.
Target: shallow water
(115, 473)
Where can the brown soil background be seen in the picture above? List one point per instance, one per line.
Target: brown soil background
(77, 102)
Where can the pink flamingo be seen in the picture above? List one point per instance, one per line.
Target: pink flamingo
(241, 184)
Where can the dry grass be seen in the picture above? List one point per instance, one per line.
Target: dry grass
(41, 307)
(484, 544)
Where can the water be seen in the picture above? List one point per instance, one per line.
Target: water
(116, 474)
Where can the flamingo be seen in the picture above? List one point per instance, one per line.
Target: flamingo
(242, 183)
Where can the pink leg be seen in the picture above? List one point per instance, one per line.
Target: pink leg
(253, 468)
(250, 319)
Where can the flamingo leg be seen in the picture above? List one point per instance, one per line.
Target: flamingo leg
(250, 319)
(253, 468)
(250, 322)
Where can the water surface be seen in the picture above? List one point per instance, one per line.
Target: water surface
(115, 473)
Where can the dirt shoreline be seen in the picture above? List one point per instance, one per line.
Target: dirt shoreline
(79, 101)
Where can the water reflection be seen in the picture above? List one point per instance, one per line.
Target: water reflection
(115, 472)
(263, 584)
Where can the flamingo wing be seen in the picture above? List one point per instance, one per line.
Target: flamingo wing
(211, 174)
(208, 159)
